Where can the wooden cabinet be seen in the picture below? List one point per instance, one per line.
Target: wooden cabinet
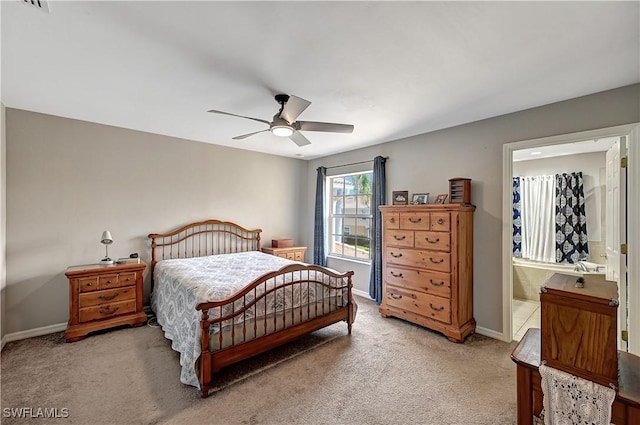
(295, 253)
(104, 296)
(578, 326)
(526, 355)
(428, 266)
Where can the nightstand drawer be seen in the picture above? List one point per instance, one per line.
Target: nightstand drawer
(107, 296)
(88, 284)
(295, 253)
(108, 281)
(107, 310)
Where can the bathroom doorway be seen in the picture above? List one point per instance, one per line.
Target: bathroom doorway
(521, 281)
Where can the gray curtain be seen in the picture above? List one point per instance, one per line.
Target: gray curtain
(378, 197)
(319, 257)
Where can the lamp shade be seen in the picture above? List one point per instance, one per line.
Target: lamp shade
(106, 238)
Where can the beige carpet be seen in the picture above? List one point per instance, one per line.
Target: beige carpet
(387, 372)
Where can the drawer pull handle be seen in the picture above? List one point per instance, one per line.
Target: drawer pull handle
(395, 255)
(441, 221)
(108, 312)
(413, 220)
(109, 298)
(399, 238)
(89, 284)
(430, 241)
(436, 283)
(436, 262)
(128, 279)
(395, 297)
(396, 274)
(108, 282)
(436, 309)
(392, 220)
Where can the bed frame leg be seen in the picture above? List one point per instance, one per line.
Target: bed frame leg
(204, 391)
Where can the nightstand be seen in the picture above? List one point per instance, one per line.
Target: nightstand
(292, 252)
(104, 296)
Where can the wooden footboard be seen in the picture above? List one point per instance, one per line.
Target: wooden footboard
(293, 301)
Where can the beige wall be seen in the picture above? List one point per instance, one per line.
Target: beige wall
(69, 180)
(424, 163)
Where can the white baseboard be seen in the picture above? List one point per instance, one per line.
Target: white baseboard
(360, 293)
(45, 330)
(492, 334)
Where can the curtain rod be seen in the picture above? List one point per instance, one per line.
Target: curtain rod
(353, 163)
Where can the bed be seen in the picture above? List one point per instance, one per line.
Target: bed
(220, 300)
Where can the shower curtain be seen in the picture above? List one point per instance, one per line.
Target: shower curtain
(549, 222)
(538, 218)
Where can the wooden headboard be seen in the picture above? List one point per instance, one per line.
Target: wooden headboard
(203, 238)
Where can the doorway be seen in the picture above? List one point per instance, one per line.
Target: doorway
(631, 272)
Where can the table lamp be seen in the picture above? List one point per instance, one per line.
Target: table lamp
(107, 240)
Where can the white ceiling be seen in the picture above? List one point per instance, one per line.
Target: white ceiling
(393, 69)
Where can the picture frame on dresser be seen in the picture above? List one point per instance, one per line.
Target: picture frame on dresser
(400, 197)
(442, 198)
(420, 199)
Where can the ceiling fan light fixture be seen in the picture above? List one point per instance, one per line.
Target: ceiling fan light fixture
(282, 130)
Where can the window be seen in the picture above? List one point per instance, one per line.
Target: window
(350, 215)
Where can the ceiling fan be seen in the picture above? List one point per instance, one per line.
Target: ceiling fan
(284, 122)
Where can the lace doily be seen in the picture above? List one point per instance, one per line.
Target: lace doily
(570, 400)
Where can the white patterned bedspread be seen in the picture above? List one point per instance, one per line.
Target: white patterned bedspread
(180, 284)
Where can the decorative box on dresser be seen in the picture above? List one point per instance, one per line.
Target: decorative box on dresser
(295, 253)
(104, 296)
(428, 266)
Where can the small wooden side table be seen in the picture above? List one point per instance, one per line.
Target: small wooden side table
(295, 253)
(104, 296)
(526, 355)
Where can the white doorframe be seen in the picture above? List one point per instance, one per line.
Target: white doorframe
(633, 227)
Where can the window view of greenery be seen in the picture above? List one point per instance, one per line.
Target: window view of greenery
(350, 216)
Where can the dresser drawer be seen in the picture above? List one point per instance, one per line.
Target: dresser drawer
(299, 256)
(107, 310)
(108, 281)
(433, 240)
(414, 221)
(417, 302)
(419, 280)
(107, 296)
(432, 260)
(402, 238)
(391, 221)
(440, 221)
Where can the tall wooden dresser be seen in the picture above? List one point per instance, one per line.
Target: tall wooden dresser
(428, 266)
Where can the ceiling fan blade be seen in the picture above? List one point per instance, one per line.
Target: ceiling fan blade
(323, 126)
(244, 136)
(299, 139)
(293, 108)
(241, 116)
